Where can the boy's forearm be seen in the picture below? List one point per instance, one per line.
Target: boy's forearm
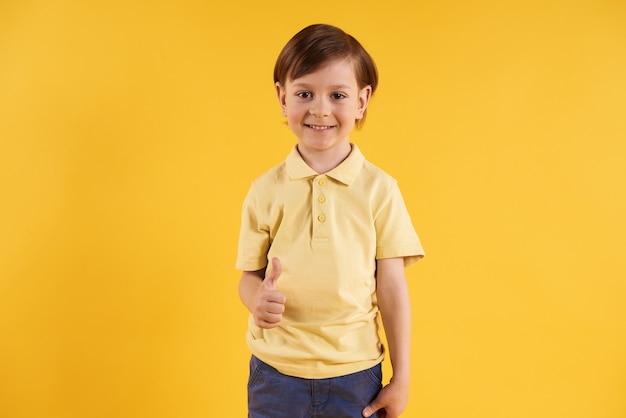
(398, 332)
(393, 300)
(249, 285)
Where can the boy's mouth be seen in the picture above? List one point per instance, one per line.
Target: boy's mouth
(318, 127)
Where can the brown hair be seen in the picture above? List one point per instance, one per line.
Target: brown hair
(317, 44)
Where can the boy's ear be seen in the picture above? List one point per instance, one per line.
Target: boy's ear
(281, 94)
(364, 98)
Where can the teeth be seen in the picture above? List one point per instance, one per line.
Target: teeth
(318, 127)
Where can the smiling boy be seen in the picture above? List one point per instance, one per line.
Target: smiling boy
(325, 238)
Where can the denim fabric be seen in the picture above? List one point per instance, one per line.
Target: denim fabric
(272, 394)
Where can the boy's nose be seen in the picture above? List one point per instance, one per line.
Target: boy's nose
(320, 108)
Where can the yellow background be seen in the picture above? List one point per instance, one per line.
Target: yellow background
(130, 131)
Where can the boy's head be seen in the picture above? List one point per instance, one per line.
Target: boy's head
(315, 46)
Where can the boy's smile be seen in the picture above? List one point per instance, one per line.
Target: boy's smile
(318, 128)
(321, 109)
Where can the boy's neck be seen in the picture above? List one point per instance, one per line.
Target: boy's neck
(324, 161)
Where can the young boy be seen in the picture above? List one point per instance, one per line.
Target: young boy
(324, 240)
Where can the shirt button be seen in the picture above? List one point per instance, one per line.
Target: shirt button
(321, 218)
(321, 199)
(322, 182)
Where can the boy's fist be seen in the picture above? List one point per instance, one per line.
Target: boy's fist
(269, 302)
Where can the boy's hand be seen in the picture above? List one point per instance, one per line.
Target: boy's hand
(390, 402)
(269, 303)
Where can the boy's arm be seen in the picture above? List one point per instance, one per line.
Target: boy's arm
(248, 286)
(393, 300)
(260, 296)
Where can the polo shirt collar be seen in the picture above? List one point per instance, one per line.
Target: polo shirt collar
(346, 172)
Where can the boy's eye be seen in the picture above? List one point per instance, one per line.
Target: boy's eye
(338, 96)
(304, 94)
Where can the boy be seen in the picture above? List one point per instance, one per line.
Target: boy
(324, 240)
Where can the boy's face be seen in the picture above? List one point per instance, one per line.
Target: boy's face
(322, 107)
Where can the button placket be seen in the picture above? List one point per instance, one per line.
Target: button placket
(319, 208)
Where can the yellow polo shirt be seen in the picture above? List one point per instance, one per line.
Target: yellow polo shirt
(328, 230)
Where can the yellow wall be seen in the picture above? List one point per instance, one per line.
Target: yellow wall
(130, 131)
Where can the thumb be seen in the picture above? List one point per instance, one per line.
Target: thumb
(370, 409)
(271, 278)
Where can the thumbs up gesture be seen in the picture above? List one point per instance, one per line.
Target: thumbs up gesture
(269, 302)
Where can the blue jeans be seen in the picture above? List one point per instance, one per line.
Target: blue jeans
(272, 394)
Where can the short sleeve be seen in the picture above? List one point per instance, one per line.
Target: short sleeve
(254, 238)
(395, 234)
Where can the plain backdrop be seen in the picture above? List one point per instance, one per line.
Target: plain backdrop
(131, 130)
